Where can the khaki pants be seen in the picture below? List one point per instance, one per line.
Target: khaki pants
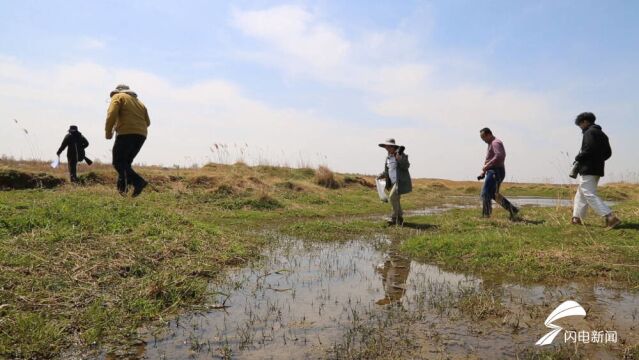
(393, 196)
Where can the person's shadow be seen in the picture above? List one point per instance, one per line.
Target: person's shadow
(529, 221)
(417, 226)
(629, 226)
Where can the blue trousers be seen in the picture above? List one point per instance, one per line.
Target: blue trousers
(492, 182)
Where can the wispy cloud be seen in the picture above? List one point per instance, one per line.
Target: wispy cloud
(91, 43)
(410, 87)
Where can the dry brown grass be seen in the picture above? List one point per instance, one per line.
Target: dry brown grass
(326, 178)
(241, 176)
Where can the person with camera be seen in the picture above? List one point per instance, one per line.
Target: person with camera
(397, 177)
(589, 165)
(493, 173)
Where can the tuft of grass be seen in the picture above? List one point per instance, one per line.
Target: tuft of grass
(326, 178)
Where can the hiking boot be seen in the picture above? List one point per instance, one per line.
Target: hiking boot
(123, 190)
(137, 190)
(514, 212)
(575, 221)
(612, 221)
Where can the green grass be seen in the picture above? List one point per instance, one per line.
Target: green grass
(87, 264)
(544, 247)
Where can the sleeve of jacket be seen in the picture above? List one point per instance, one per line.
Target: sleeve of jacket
(586, 147)
(403, 163)
(64, 145)
(85, 142)
(112, 114)
(146, 116)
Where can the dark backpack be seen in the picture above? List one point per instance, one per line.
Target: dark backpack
(78, 143)
(607, 151)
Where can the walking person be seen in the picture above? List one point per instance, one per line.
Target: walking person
(494, 172)
(589, 164)
(397, 178)
(129, 118)
(75, 143)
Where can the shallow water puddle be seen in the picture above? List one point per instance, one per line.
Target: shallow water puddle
(296, 303)
(303, 299)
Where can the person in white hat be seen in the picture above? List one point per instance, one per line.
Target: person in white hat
(397, 177)
(129, 119)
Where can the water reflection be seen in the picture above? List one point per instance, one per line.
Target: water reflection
(394, 272)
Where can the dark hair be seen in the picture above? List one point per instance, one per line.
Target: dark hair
(485, 131)
(585, 116)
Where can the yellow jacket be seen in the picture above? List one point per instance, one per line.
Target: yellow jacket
(126, 115)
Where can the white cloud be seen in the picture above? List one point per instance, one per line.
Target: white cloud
(400, 83)
(186, 120)
(296, 33)
(382, 64)
(90, 43)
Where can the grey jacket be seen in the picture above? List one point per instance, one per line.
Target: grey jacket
(404, 182)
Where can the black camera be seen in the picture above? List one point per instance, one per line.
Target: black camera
(481, 177)
(575, 170)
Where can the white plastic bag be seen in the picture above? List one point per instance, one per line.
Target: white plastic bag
(55, 163)
(381, 186)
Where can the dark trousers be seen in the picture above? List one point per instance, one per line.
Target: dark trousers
(125, 149)
(492, 182)
(73, 169)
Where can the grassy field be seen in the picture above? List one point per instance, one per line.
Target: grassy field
(541, 248)
(83, 267)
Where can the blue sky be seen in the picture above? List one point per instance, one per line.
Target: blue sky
(323, 81)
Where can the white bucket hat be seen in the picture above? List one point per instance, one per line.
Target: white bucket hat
(389, 142)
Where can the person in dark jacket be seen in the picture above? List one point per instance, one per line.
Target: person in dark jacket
(589, 162)
(494, 172)
(75, 143)
(397, 177)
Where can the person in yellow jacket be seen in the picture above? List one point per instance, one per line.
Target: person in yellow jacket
(128, 117)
